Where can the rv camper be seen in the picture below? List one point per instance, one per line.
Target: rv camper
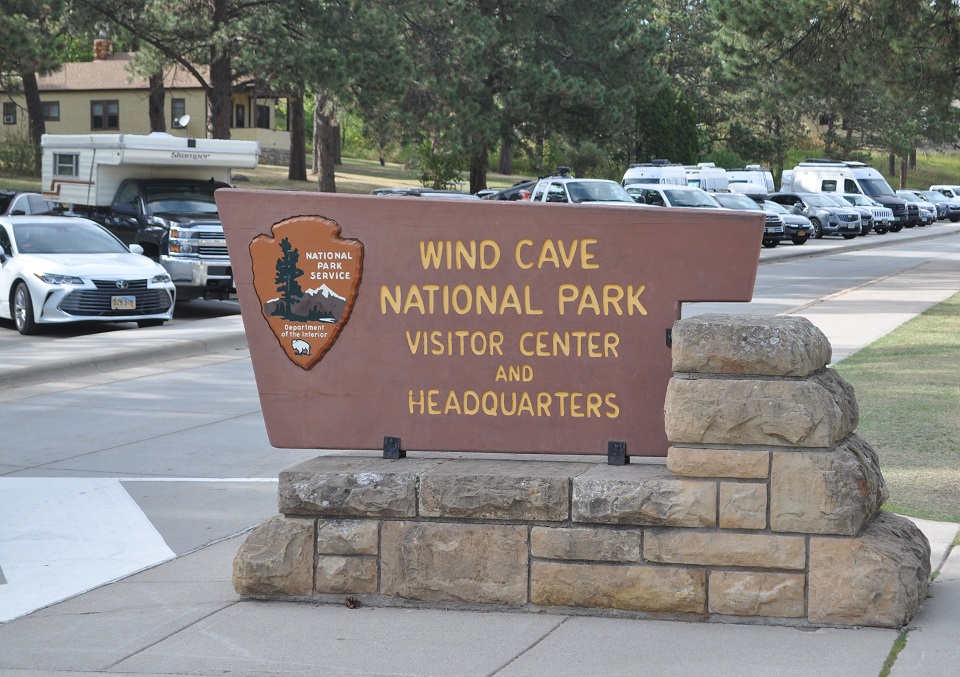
(827, 176)
(155, 191)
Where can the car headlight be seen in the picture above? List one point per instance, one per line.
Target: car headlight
(161, 278)
(53, 278)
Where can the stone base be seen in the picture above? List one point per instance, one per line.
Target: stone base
(585, 537)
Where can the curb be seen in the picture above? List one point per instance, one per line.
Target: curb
(796, 252)
(105, 361)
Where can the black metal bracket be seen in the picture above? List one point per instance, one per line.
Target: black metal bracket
(392, 450)
(669, 337)
(617, 453)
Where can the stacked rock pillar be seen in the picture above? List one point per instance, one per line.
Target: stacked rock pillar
(768, 508)
(754, 406)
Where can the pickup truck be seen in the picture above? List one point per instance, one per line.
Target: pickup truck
(155, 191)
(176, 223)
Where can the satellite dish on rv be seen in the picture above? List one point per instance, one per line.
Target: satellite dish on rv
(183, 121)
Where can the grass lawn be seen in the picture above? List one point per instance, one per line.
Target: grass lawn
(908, 388)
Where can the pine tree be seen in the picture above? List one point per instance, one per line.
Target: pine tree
(287, 274)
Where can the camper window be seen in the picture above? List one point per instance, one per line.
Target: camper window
(66, 164)
(850, 186)
(828, 186)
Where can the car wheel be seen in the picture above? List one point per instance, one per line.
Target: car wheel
(770, 244)
(150, 323)
(848, 236)
(23, 310)
(897, 228)
(816, 228)
(881, 231)
(799, 240)
(954, 220)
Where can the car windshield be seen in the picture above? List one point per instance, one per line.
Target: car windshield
(182, 199)
(690, 198)
(731, 201)
(836, 199)
(597, 191)
(933, 196)
(908, 196)
(876, 187)
(859, 200)
(65, 238)
(769, 205)
(820, 200)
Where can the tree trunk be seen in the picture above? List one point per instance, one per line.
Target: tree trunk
(892, 164)
(913, 158)
(505, 161)
(337, 140)
(298, 138)
(478, 171)
(155, 103)
(317, 133)
(904, 162)
(324, 134)
(828, 137)
(37, 127)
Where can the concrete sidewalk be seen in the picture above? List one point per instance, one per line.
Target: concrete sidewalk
(183, 617)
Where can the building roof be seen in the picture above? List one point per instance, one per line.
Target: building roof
(111, 73)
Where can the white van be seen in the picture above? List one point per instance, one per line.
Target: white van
(753, 174)
(658, 171)
(828, 176)
(707, 176)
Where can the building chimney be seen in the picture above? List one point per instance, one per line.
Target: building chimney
(102, 48)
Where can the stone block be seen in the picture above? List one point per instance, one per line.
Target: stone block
(826, 492)
(276, 559)
(343, 575)
(642, 495)
(815, 412)
(749, 344)
(707, 462)
(743, 505)
(757, 593)
(604, 586)
(348, 537)
(877, 579)
(476, 563)
(598, 544)
(512, 490)
(339, 486)
(713, 548)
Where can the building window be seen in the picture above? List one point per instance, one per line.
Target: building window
(9, 113)
(178, 108)
(263, 117)
(66, 164)
(50, 110)
(104, 115)
(239, 115)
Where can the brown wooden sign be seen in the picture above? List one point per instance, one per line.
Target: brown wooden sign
(472, 325)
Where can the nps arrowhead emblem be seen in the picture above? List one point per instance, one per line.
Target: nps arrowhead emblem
(306, 277)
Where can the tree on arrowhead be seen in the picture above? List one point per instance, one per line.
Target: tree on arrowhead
(287, 273)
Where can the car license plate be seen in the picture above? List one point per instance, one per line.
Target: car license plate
(801, 233)
(123, 303)
(769, 230)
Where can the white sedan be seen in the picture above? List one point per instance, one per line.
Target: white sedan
(56, 269)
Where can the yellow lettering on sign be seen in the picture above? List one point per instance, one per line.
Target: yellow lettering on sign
(459, 255)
